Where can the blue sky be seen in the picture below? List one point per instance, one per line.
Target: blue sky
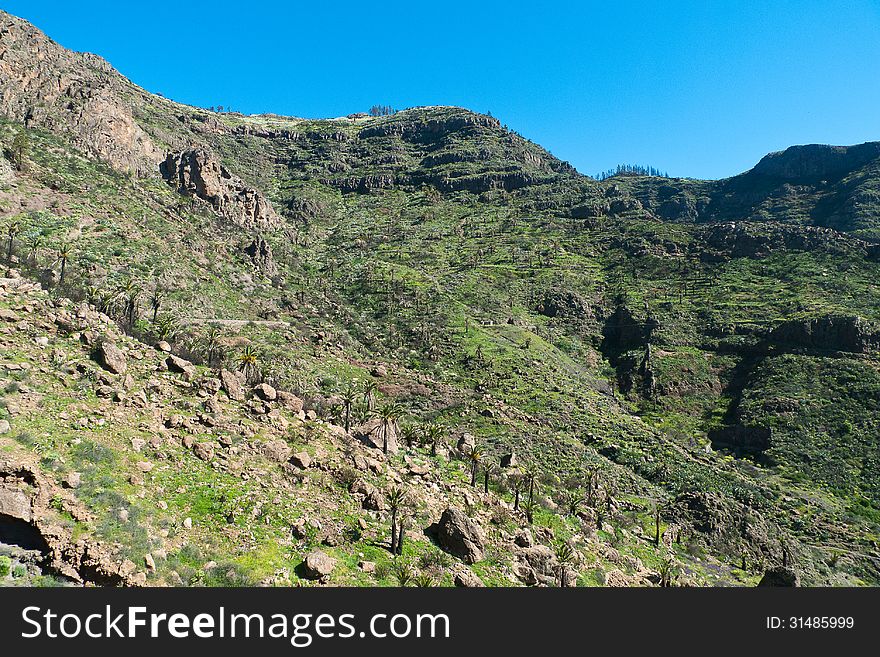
(701, 89)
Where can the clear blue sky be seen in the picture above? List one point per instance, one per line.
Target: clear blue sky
(700, 89)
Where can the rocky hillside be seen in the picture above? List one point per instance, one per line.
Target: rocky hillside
(210, 320)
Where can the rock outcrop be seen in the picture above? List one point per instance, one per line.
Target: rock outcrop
(199, 174)
(459, 535)
(831, 332)
(75, 94)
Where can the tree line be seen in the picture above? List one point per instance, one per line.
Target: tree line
(631, 169)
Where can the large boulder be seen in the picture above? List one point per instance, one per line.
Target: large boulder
(780, 576)
(111, 358)
(15, 504)
(232, 385)
(371, 433)
(459, 536)
(265, 392)
(180, 365)
(317, 565)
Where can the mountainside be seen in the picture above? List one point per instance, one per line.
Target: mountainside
(230, 342)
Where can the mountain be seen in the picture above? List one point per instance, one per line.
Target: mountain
(208, 315)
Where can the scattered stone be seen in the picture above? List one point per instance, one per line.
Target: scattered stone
(509, 461)
(232, 385)
(523, 538)
(367, 566)
(265, 392)
(318, 565)
(144, 466)
(187, 523)
(290, 401)
(4, 427)
(164, 347)
(111, 358)
(150, 562)
(301, 460)
(277, 450)
(14, 503)
(204, 451)
(465, 577)
(72, 480)
(180, 365)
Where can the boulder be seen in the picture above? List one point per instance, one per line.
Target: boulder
(232, 385)
(204, 451)
(301, 460)
(371, 433)
(265, 392)
(111, 358)
(180, 365)
(457, 534)
(467, 578)
(14, 503)
(780, 576)
(198, 173)
(317, 565)
(290, 401)
(277, 450)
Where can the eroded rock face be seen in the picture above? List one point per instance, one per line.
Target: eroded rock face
(76, 94)
(834, 333)
(199, 174)
(460, 536)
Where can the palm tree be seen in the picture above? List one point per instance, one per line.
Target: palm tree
(370, 389)
(166, 326)
(668, 572)
(474, 455)
(130, 293)
(34, 245)
(396, 500)
(656, 524)
(573, 500)
(516, 481)
(488, 469)
(13, 230)
(211, 343)
(434, 434)
(389, 414)
(20, 145)
(349, 396)
(530, 511)
(156, 301)
(530, 476)
(64, 253)
(247, 361)
(410, 434)
(564, 558)
(402, 572)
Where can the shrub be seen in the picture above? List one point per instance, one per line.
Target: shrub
(5, 566)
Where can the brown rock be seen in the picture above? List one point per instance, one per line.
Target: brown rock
(111, 358)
